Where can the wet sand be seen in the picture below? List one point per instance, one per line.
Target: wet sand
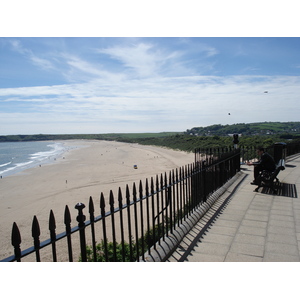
(98, 166)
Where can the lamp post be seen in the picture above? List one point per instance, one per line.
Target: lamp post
(235, 140)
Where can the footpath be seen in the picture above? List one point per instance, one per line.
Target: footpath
(248, 226)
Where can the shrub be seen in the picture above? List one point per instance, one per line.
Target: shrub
(100, 252)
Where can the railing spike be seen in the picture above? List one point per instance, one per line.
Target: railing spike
(16, 241)
(147, 187)
(129, 223)
(67, 221)
(134, 189)
(111, 203)
(152, 186)
(15, 235)
(120, 198)
(92, 220)
(102, 209)
(35, 230)
(67, 216)
(127, 195)
(141, 188)
(102, 204)
(52, 225)
(91, 206)
(111, 200)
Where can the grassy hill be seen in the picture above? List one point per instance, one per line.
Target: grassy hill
(261, 128)
(106, 136)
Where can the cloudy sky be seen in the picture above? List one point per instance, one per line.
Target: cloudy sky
(104, 85)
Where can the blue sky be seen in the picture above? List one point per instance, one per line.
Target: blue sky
(151, 84)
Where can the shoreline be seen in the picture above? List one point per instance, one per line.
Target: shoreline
(44, 160)
(92, 168)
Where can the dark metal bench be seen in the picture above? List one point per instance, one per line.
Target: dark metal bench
(268, 179)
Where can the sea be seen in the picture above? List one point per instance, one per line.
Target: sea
(16, 157)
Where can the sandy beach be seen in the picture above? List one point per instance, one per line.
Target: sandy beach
(94, 167)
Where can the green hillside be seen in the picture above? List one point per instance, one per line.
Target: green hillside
(106, 136)
(263, 128)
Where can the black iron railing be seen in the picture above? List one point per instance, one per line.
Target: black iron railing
(129, 226)
(277, 150)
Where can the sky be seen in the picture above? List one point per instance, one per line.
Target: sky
(55, 85)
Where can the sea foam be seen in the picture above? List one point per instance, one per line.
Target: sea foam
(21, 161)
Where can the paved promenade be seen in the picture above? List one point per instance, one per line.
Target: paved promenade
(248, 226)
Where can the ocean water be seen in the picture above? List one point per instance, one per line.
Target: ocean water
(19, 156)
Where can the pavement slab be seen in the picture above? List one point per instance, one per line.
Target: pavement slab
(252, 226)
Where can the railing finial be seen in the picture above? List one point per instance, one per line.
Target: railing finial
(81, 217)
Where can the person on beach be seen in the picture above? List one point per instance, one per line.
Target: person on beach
(266, 163)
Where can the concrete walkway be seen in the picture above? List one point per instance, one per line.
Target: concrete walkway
(248, 226)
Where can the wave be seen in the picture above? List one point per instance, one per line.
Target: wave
(32, 160)
(19, 165)
(16, 166)
(39, 156)
(5, 164)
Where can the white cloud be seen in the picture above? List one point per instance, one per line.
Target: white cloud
(210, 51)
(143, 60)
(136, 57)
(36, 60)
(158, 104)
(41, 62)
(17, 46)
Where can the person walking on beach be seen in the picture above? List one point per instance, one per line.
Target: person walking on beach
(266, 162)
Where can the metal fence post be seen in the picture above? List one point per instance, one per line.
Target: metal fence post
(102, 209)
(35, 230)
(16, 241)
(92, 219)
(67, 221)
(52, 227)
(80, 219)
